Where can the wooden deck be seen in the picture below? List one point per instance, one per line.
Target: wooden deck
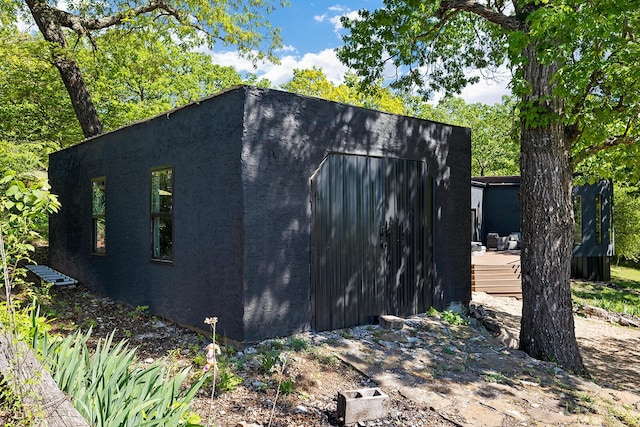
(497, 273)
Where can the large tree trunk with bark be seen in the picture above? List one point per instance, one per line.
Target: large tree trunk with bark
(547, 331)
(68, 67)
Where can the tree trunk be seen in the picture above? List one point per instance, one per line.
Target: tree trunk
(68, 68)
(547, 331)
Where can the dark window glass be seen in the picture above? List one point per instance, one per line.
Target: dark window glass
(162, 214)
(98, 207)
(577, 220)
(598, 224)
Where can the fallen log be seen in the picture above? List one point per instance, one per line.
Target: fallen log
(39, 393)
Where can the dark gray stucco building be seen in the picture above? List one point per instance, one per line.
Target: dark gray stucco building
(272, 211)
(495, 208)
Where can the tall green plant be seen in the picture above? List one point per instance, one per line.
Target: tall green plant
(25, 203)
(109, 389)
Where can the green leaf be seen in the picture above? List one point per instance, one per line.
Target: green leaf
(13, 190)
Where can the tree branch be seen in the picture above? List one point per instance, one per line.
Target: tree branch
(83, 25)
(613, 141)
(507, 22)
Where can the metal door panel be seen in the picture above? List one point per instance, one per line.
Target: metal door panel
(371, 239)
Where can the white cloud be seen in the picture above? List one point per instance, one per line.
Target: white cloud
(283, 72)
(336, 20)
(338, 8)
(320, 18)
(288, 48)
(231, 58)
(486, 91)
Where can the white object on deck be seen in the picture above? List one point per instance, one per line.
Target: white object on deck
(50, 275)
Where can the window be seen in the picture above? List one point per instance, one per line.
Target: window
(98, 234)
(162, 214)
(598, 221)
(577, 220)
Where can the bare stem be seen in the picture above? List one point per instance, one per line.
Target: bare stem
(275, 401)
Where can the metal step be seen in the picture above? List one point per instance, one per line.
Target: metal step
(49, 275)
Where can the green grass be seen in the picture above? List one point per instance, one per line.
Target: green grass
(622, 295)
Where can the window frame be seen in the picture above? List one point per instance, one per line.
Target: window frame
(155, 217)
(97, 216)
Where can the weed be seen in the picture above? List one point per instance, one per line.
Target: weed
(297, 344)
(142, 309)
(495, 377)
(346, 335)
(448, 350)
(448, 316)
(454, 318)
(585, 397)
(11, 409)
(269, 360)
(287, 386)
(283, 358)
(327, 359)
(228, 379)
(277, 344)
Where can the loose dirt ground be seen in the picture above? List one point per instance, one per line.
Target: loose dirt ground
(435, 374)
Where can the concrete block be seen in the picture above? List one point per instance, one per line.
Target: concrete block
(365, 404)
(388, 321)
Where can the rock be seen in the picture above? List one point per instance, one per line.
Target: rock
(623, 321)
(388, 321)
(258, 385)
(475, 323)
(159, 324)
(490, 326)
(301, 409)
(414, 341)
(476, 312)
(387, 344)
(596, 312)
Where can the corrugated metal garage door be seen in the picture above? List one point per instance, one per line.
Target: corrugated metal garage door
(371, 240)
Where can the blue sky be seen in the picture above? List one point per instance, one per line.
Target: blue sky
(311, 30)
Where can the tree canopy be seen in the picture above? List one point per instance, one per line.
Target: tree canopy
(575, 75)
(494, 136)
(313, 82)
(137, 75)
(240, 23)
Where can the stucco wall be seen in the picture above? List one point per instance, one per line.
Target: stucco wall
(242, 166)
(501, 210)
(287, 138)
(201, 142)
